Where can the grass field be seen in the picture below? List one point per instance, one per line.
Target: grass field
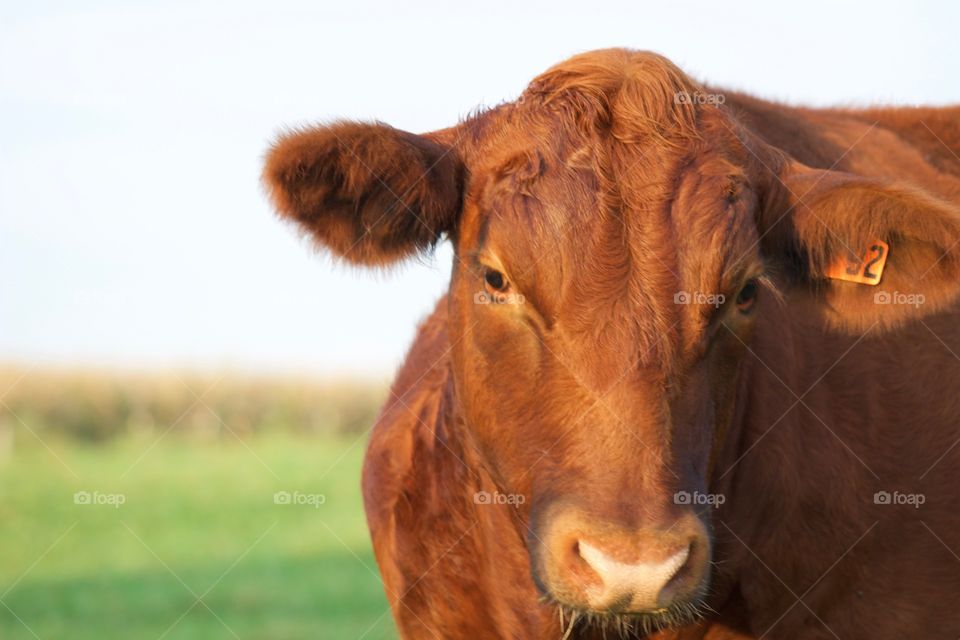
(199, 548)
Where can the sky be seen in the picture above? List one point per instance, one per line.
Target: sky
(134, 231)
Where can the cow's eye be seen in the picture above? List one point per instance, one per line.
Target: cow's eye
(747, 296)
(495, 280)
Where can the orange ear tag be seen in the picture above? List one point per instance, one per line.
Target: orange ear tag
(865, 270)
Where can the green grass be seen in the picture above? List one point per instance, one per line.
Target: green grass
(199, 520)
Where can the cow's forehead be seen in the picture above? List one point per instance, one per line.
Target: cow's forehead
(542, 175)
(597, 246)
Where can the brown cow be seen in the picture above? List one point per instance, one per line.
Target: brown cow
(654, 397)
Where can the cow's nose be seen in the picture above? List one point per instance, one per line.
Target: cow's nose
(631, 586)
(592, 565)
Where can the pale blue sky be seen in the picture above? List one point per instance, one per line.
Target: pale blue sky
(133, 230)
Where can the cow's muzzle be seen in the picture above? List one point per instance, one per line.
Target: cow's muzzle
(589, 565)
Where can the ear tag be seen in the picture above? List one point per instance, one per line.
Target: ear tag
(863, 270)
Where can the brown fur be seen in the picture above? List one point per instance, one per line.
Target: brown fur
(600, 196)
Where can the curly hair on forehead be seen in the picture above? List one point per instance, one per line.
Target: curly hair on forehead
(636, 94)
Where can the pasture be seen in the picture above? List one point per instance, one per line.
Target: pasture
(162, 533)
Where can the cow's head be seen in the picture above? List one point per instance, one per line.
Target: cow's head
(617, 235)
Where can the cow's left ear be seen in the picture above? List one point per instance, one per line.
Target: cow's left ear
(369, 193)
(873, 251)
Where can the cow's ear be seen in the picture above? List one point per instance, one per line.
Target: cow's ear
(824, 227)
(370, 193)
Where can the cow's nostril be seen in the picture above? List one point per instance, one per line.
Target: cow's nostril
(680, 574)
(686, 577)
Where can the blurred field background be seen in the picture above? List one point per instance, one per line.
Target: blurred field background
(199, 548)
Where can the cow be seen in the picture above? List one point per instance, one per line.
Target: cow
(696, 371)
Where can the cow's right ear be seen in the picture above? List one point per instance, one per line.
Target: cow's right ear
(839, 232)
(370, 193)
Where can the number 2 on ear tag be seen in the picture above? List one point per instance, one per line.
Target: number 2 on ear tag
(863, 270)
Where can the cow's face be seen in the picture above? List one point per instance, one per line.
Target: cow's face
(615, 236)
(602, 298)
